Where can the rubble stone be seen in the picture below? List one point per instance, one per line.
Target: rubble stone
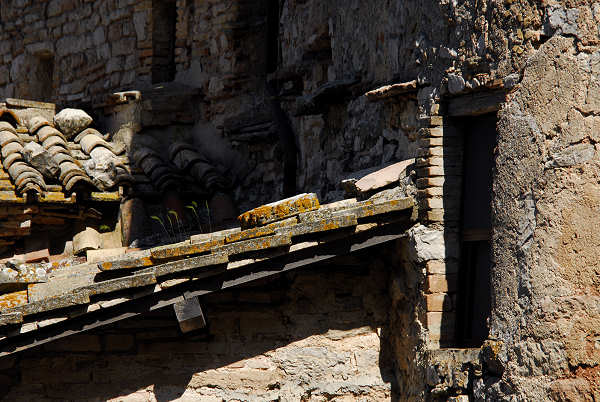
(72, 121)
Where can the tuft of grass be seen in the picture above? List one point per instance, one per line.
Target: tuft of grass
(208, 212)
(193, 207)
(156, 218)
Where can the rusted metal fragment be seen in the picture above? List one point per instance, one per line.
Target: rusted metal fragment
(183, 250)
(191, 263)
(13, 299)
(114, 285)
(23, 273)
(128, 261)
(220, 235)
(279, 210)
(324, 225)
(260, 231)
(11, 318)
(326, 211)
(258, 244)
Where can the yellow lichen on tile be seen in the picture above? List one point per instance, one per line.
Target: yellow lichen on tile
(169, 252)
(13, 299)
(279, 210)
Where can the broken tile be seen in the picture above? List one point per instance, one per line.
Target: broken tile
(138, 259)
(279, 210)
(174, 251)
(99, 255)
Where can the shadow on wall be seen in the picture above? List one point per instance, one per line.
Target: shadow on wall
(302, 335)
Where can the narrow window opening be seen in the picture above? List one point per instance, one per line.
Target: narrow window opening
(474, 305)
(45, 74)
(36, 77)
(164, 21)
(272, 43)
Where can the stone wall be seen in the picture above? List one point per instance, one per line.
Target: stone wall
(546, 209)
(93, 47)
(317, 334)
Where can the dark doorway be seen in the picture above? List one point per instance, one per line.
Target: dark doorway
(272, 44)
(164, 22)
(474, 277)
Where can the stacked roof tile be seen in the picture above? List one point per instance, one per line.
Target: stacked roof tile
(276, 237)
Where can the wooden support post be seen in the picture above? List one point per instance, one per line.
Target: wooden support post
(189, 314)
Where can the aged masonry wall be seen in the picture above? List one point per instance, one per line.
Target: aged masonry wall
(546, 208)
(305, 336)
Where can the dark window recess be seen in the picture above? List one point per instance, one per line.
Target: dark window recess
(474, 277)
(272, 45)
(164, 21)
(36, 77)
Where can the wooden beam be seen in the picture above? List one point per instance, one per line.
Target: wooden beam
(189, 315)
(476, 103)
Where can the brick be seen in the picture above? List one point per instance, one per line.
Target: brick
(438, 302)
(441, 215)
(441, 283)
(441, 323)
(431, 121)
(442, 267)
(431, 192)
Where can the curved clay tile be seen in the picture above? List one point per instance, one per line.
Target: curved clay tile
(37, 122)
(7, 137)
(6, 126)
(10, 159)
(77, 180)
(59, 150)
(11, 148)
(70, 171)
(155, 168)
(46, 132)
(88, 131)
(104, 167)
(185, 157)
(25, 177)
